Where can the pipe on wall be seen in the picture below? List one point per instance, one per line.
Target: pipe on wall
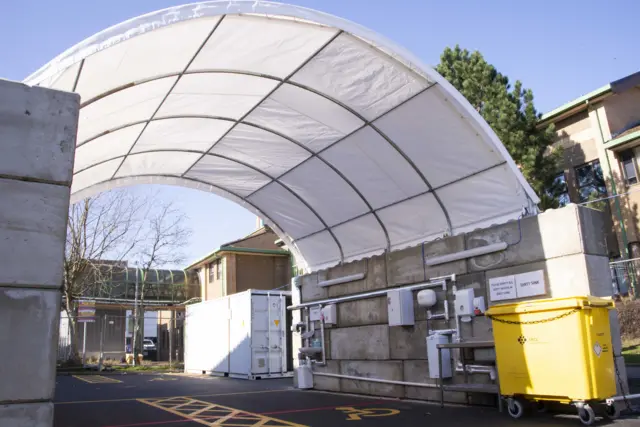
(469, 253)
(375, 380)
(340, 280)
(432, 283)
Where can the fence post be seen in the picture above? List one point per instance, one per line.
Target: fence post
(171, 328)
(84, 343)
(104, 324)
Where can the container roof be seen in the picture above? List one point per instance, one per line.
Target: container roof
(344, 143)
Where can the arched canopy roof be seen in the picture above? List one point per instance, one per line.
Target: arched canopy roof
(345, 144)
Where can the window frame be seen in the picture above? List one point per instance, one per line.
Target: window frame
(631, 152)
(593, 183)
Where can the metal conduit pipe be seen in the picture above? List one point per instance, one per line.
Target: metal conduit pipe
(375, 380)
(324, 349)
(476, 369)
(432, 283)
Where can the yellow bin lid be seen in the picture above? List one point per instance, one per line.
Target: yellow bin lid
(549, 304)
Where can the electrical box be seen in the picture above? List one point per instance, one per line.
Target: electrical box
(464, 306)
(330, 314)
(479, 305)
(400, 307)
(315, 313)
(432, 356)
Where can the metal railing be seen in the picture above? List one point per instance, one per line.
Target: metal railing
(624, 274)
(107, 338)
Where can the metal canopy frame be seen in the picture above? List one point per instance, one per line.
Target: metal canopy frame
(402, 60)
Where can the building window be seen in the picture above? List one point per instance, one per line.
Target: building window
(211, 272)
(218, 269)
(629, 167)
(560, 190)
(591, 184)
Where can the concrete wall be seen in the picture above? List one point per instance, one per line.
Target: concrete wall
(567, 244)
(37, 145)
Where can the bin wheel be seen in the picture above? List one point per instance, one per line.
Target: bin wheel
(612, 412)
(515, 408)
(541, 406)
(586, 414)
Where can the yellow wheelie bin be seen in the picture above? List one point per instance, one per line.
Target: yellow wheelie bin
(555, 350)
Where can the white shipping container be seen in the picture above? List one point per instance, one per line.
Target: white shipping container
(240, 335)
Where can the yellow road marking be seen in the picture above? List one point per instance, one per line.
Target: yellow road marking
(96, 379)
(212, 414)
(132, 399)
(354, 414)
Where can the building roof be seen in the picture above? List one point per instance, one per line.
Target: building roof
(223, 250)
(580, 103)
(345, 144)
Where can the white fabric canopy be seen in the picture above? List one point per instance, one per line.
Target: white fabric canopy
(345, 144)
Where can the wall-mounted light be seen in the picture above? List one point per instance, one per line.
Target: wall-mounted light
(340, 280)
(469, 253)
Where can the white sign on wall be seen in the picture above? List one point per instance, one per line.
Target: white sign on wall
(501, 288)
(518, 286)
(530, 284)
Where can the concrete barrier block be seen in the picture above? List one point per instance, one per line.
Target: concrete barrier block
(444, 247)
(327, 383)
(593, 227)
(360, 343)
(409, 342)
(616, 339)
(375, 270)
(343, 271)
(310, 291)
(33, 227)
(525, 268)
(408, 266)
(386, 370)
(553, 234)
(479, 329)
(405, 266)
(417, 371)
(622, 383)
(31, 318)
(27, 415)
(599, 274)
(38, 131)
(372, 311)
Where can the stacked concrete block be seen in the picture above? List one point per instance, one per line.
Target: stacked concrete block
(567, 245)
(37, 134)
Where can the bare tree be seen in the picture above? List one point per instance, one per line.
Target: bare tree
(105, 226)
(166, 235)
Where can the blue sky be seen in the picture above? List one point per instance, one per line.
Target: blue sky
(561, 49)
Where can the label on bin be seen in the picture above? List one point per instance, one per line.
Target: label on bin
(597, 349)
(501, 288)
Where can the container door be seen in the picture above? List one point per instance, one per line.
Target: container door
(268, 355)
(197, 337)
(218, 336)
(239, 334)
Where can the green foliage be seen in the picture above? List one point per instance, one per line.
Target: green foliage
(511, 113)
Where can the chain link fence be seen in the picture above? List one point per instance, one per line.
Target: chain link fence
(107, 338)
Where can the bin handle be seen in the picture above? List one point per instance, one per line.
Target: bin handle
(533, 322)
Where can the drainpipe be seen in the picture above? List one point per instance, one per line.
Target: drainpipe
(618, 210)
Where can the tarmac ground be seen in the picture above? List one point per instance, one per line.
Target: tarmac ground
(150, 400)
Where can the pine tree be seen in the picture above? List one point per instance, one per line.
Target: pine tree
(511, 113)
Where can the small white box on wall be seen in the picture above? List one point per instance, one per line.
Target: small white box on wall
(400, 307)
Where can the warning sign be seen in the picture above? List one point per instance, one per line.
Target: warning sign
(501, 288)
(597, 349)
(277, 322)
(517, 286)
